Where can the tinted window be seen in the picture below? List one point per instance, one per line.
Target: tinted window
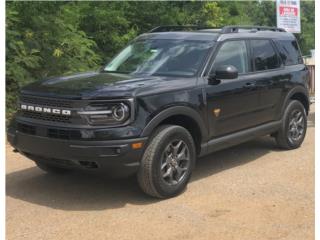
(264, 55)
(232, 53)
(289, 52)
(160, 57)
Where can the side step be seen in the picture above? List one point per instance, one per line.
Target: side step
(239, 137)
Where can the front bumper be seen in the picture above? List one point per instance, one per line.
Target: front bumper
(114, 156)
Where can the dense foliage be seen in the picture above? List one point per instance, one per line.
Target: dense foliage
(55, 38)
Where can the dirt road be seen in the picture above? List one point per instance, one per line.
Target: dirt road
(252, 191)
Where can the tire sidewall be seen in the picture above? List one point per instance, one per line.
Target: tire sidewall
(294, 105)
(160, 185)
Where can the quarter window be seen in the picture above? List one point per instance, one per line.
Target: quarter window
(232, 53)
(289, 52)
(264, 55)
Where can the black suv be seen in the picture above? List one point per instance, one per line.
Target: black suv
(174, 94)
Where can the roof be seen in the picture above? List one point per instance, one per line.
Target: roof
(258, 34)
(216, 34)
(199, 36)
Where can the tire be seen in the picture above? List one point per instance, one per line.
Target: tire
(294, 126)
(51, 169)
(171, 147)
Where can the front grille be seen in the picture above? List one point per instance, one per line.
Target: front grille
(63, 134)
(28, 129)
(50, 102)
(46, 116)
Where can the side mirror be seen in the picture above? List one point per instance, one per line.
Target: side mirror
(223, 72)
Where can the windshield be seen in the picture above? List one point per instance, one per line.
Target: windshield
(160, 57)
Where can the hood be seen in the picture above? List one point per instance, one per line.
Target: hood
(104, 85)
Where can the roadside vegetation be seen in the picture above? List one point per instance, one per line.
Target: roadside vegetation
(45, 39)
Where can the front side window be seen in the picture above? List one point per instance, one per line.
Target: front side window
(264, 55)
(232, 53)
(161, 57)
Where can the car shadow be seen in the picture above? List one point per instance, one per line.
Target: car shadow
(87, 191)
(233, 157)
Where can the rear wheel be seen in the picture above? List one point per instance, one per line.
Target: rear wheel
(167, 163)
(294, 126)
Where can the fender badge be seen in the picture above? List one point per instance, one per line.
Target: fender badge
(216, 112)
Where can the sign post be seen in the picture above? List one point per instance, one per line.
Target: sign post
(288, 15)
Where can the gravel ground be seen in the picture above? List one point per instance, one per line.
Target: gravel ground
(252, 191)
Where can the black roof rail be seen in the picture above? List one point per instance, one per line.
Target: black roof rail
(170, 28)
(226, 29)
(235, 29)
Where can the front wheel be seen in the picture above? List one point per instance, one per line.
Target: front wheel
(167, 162)
(294, 126)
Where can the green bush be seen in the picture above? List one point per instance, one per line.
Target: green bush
(45, 39)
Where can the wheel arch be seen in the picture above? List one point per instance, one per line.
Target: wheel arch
(300, 94)
(181, 116)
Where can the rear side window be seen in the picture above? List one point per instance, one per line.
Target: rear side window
(289, 52)
(232, 53)
(264, 55)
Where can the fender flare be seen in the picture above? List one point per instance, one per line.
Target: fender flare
(172, 111)
(298, 89)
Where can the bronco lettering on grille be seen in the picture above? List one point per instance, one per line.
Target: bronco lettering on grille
(45, 109)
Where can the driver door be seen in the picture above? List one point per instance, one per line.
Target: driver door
(232, 103)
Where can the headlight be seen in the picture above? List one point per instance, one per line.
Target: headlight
(120, 112)
(106, 113)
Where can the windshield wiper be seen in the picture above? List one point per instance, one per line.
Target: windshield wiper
(122, 72)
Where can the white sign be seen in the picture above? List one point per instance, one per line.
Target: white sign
(288, 15)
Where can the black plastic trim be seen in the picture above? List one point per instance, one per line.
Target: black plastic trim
(298, 89)
(238, 137)
(172, 111)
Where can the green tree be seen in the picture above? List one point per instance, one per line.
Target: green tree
(264, 13)
(306, 38)
(44, 39)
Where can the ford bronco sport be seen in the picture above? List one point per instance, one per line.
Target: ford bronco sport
(174, 94)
